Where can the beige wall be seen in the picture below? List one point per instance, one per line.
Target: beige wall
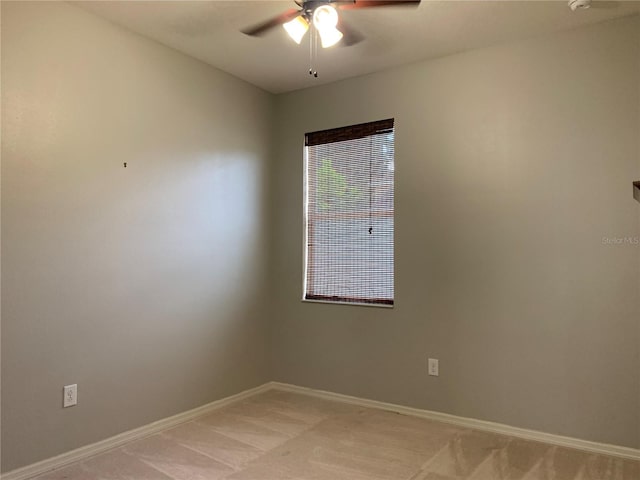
(142, 284)
(512, 164)
(638, 227)
(145, 284)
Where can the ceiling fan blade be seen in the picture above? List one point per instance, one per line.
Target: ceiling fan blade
(351, 36)
(356, 4)
(264, 27)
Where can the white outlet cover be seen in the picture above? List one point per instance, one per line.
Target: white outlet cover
(70, 395)
(434, 368)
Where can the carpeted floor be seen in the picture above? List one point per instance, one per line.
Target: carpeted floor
(284, 436)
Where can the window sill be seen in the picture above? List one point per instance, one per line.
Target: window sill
(349, 304)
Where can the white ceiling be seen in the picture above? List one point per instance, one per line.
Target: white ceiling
(210, 31)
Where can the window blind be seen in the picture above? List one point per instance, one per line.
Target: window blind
(349, 214)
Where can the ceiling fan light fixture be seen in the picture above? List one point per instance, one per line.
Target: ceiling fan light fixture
(325, 17)
(296, 28)
(325, 20)
(329, 37)
(579, 4)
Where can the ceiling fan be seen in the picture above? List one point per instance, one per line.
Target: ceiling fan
(322, 15)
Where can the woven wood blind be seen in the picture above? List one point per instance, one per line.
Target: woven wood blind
(349, 214)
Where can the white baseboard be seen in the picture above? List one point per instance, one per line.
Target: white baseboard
(102, 446)
(576, 443)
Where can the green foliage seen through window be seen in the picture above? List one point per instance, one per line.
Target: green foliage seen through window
(333, 190)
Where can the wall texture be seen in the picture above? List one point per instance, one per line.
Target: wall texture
(513, 188)
(146, 284)
(142, 284)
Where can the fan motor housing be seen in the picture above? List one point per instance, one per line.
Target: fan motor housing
(309, 6)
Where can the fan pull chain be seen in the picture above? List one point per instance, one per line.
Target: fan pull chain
(313, 41)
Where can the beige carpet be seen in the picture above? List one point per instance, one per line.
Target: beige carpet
(285, 436)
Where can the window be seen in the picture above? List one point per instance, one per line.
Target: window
(349, 214)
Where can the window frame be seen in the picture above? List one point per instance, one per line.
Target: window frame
(390, 304)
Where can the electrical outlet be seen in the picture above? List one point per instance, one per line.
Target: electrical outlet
(70, 395)
(434, 369)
